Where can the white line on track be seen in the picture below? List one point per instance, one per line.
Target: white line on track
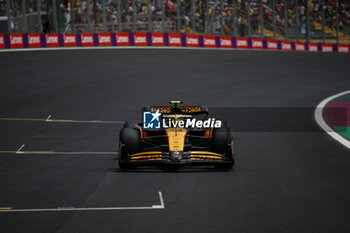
(49, 119)
(98, 122)
(72, 152)
(161, 206)
(320, 121)
(60, 152)
(19, 150)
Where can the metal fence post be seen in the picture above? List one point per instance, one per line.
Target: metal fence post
(248, 20)
(38, 7)
(307, 20)
(104, 19)
(323, 21)
(178, 19)
(71, 2)
(193, 17)
(296, 20)
(24, 18)
(163, 16)
(222, 22)
(233, 15)
(274, 18)
(285, 18)
(119, 16)
(149, 14)
(88, 15)
(262, 18)
(8, 13)
(54, 15)
(207, 17)
(337, 19)
(133, 15)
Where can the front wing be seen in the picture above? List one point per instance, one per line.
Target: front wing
(188, 158)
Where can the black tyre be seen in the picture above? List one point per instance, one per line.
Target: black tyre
(221, 140)
(221, 144)
(130, 143)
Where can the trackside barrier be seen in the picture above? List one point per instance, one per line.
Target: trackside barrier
(30, 40)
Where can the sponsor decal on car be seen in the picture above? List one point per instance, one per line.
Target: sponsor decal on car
(151, 120)
(52, 40)
(241, 43)
(87, 39)
(2, 41)
(192, 40)
(209, 41)
(225, 42)
(34, 40)
(299, 46)
(16, 40)
(286, 45)
(327, 47)
(69, 40)
(157, 39)
(105, 39)
(140, 38)
(191, 123)
(122, 39)
(272, 44)
(174, 39)
(343, 48)
(257, 44)
(155, 120)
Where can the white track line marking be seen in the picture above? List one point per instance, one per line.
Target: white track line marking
(60, 152)
(19, 150)
(98, 122)
(161, 206)
(320, 121)
(48, 118)
(75, 152)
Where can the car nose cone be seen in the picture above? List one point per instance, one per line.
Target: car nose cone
(175, 156)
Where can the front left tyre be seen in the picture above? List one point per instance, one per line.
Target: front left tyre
(130, 143)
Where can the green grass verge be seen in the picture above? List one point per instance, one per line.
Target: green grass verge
(343, 131)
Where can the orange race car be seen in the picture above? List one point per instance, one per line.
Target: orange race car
(176, 136)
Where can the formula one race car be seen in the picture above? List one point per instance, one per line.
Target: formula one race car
(176, 136)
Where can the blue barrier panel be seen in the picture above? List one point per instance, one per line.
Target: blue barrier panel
(217, 40)
(113, 39)
(234, 44)
(200, 41)
(43, 40)
(131, 38)
(60, 40)
(78, 38)
(166, 39)
(183, 39)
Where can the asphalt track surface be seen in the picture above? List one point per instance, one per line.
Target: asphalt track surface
(283, 180)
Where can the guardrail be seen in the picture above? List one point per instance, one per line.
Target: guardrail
(17, 40)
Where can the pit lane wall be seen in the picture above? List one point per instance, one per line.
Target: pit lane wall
(17, 40)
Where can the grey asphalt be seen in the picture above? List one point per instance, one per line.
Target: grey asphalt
(284, 180)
